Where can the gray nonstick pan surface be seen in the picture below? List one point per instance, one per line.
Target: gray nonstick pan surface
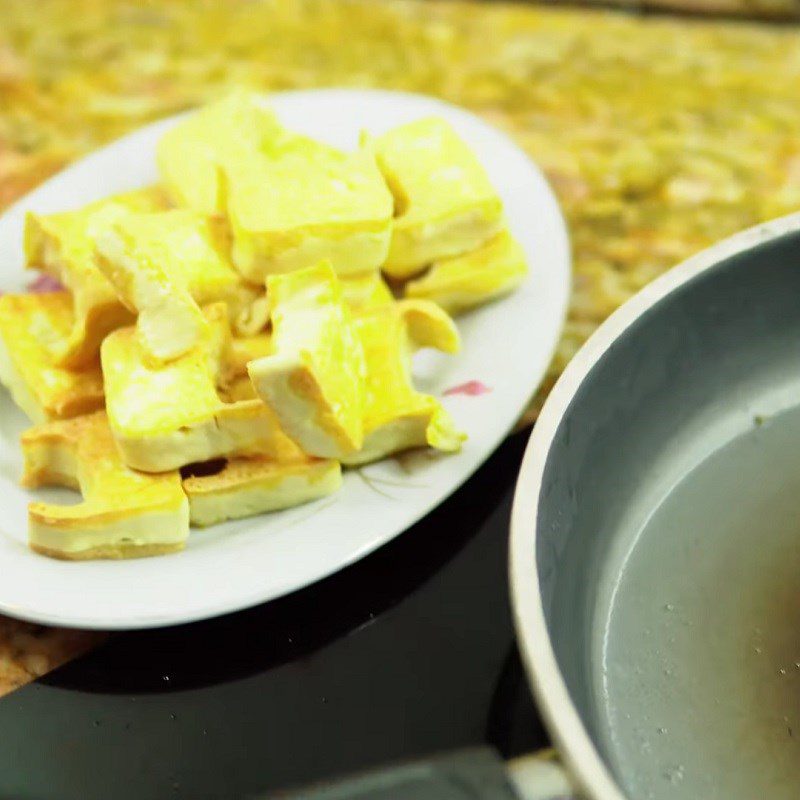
(656, 536)
(655, 550)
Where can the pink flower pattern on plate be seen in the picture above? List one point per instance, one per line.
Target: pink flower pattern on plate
(470, 389)
(43, 284)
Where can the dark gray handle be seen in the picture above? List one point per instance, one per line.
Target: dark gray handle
(473, 774)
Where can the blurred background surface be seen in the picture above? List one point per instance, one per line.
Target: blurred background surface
(660, 133)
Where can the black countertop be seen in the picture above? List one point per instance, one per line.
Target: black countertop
(407, 653)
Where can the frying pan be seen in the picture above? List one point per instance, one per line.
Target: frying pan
(655, 550)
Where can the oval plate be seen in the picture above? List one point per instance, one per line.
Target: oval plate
(507, 347)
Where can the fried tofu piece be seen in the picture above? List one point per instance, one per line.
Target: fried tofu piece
(166, 416)
(248, 308)
(161, 266)
(314, 378)
(396, 416)
(243, 350)
(192, 155)
(124, 514)
(233, 381)
(248, 486)
(32, 327)
(463, 282)
(427, 324)
(62, 245)
(237, 388)
(290, 201)
(300, 201)
(444, 204)
(366, 290)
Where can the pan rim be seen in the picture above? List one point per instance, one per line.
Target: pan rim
(561, 717)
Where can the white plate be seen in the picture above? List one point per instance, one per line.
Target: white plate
(507, 347)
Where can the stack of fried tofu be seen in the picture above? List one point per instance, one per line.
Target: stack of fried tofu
(224, 342)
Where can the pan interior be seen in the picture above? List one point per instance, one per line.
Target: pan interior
(668, 539)
(699, 655)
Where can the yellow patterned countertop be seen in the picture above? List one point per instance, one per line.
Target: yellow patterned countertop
(659, 135)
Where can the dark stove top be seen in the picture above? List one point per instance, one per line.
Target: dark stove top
(407, 653)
